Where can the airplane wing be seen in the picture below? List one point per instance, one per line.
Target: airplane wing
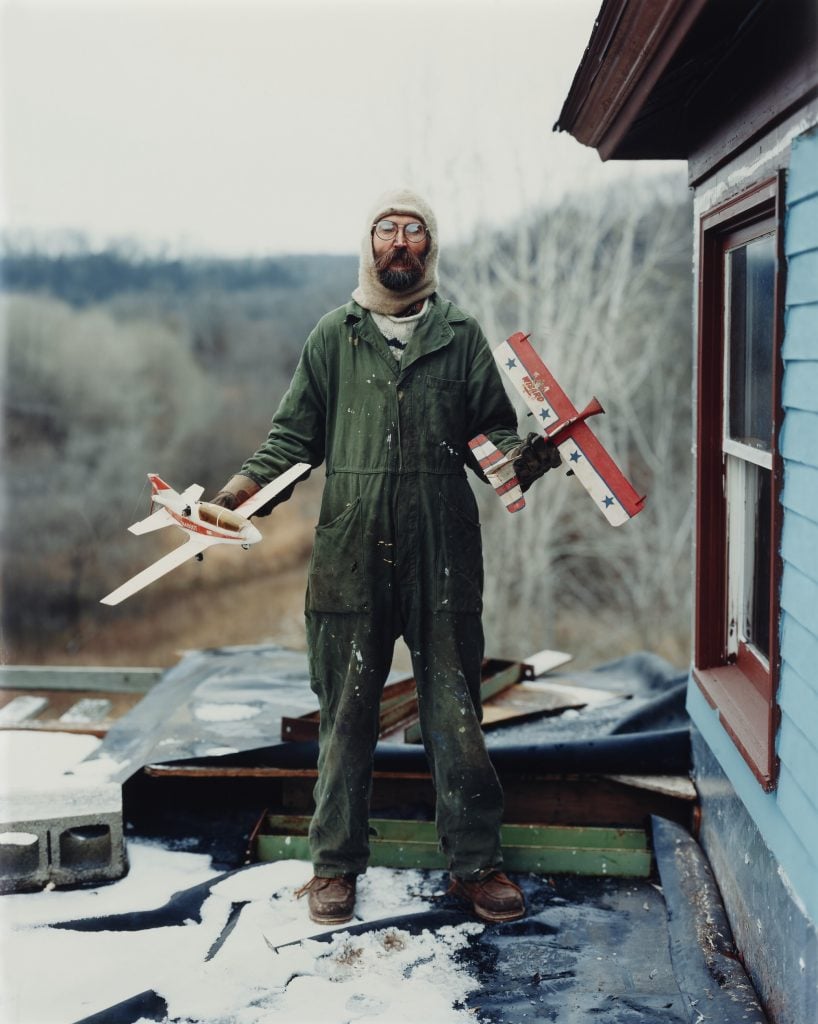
(599, 475)
(499, 472)
(252, 505)
(170, 561)
(156, 521)
(548, 403)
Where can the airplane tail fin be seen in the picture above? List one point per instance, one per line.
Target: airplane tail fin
(158, 486)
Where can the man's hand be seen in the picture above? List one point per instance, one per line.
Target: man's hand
(235, 492)
(536, 456)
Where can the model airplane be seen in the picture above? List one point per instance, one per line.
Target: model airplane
(561, 423)
(206, 524)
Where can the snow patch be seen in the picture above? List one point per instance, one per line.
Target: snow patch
(17, 838)
(385, 977)
(225, 712)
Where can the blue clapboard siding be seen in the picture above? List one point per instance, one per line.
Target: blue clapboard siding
(796, 692)
(797, 743)
(799, 598)
(802, 486)
(800, 389)
(799, 333)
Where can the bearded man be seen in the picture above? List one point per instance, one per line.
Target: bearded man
(388, 392)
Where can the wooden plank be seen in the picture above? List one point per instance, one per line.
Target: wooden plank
(541, 848)
(678, 786)
(799, 334)
(85, 712)
(538, 664)
(798, 751)
(799, 544)
(799, 598)
(798, 692)
(210, 771)
(800, 389)
(499, 676)
(108, 680)
(800, 427)
(555, 799)
(801, 814)
(801, 490)
(802, 278)
(803, 161)
(527, 701)
(802, 227)
(399, 702)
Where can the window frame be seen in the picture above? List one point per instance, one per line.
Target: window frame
(740, 687)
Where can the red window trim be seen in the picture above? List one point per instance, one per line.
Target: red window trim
(744, 690)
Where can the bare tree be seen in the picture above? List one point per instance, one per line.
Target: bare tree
(603, 285)
(90, 407)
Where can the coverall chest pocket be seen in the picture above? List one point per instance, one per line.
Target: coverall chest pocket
(445, 413)
(459, 569)
(336, 580)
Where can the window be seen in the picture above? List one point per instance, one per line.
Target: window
(738, 471)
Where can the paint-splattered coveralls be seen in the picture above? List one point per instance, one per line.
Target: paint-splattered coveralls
(397, 552)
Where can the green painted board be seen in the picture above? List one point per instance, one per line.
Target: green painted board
(540, 848)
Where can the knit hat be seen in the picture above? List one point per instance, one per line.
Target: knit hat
(370, 293)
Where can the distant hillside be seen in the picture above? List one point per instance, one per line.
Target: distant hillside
(85, 278)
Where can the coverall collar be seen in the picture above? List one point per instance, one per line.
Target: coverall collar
(433, 332)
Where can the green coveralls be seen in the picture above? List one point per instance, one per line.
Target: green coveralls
(397, 552)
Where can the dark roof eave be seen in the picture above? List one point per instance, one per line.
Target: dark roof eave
(630, 47)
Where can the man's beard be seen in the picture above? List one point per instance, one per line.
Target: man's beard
(399, 278)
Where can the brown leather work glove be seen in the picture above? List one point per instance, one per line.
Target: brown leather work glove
(536, 456)
(235, 492)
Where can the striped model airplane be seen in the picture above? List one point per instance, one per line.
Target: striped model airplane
(204, 523)
(562, 424)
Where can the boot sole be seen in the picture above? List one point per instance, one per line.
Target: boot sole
(338, 919)
(493, 917)
(511, 915)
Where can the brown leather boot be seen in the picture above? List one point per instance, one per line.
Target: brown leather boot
(331, 900)
(493, 898)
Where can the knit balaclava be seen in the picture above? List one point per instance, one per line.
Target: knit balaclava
(370, 293)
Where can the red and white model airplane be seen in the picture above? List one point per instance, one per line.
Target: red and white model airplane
(561, 423)
(206, 524)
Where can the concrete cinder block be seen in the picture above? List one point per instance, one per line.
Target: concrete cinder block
(46, 840)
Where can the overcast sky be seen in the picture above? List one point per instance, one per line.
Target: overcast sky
(266, 127)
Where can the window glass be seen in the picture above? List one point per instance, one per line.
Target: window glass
(751, 277)
(749, 540)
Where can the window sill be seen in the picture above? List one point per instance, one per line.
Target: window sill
(746, 716)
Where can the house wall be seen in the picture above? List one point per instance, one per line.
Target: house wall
(764, 846)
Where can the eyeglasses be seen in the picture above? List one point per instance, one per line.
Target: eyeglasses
(386, 230)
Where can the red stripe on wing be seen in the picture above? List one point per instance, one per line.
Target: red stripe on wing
(507, 486)
(541, 380)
